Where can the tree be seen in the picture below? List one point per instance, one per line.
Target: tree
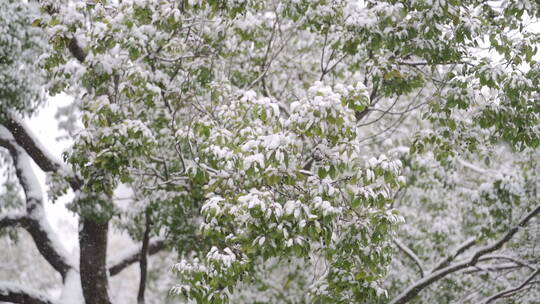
(276, 144)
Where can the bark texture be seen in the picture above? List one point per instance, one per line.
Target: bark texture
(93, 261)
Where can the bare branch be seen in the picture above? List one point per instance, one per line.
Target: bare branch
(265, 66)
(134, 255)
(14, 293)
(411, 255)
(511, 291)
(410, 292)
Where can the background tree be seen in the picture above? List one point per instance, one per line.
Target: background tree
(277, 146)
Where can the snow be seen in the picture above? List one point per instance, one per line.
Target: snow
(39, 215)
(472, 167)
(34, 194)
(256, 158)
(290, 206)
(12, 215)
(72, 291)
(250, 145)
(252, 200)
(212, 204)
(5, 134)
(30, 182)
(38, 142)
(273, 141)
(226, 258)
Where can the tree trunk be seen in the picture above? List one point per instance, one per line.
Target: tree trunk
(143, 263)
(93, 261)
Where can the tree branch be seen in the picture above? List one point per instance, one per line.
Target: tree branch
(508, 258)
(11, 220)
(35, 221)
(462, 248)
(411, 255)
(492, 267)
(511, 291)
(420, 63)
(14, 293)
(410, 292)
(24, 138)
(133, 256)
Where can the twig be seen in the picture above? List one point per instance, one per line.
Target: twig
(511, 291)
(411, 255)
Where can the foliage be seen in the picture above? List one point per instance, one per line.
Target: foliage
(20, 47)
(253, 132)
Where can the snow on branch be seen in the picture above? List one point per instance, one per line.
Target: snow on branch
(472, 167)
(508, 258)
(48, 244)
(15, 293)
(12, 219)
(493, 268)
(511, 291)
(410, 292)
(35, 221)
(26, 139)
(411, 255)
(23, 170)
(461, 248)
(117, 264)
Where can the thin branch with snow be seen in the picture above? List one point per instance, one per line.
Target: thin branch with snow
(511, 291)
(508, 258)
(493, 268)
(411, 255)
(461, 248)
(410, 292)
(474, 168)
